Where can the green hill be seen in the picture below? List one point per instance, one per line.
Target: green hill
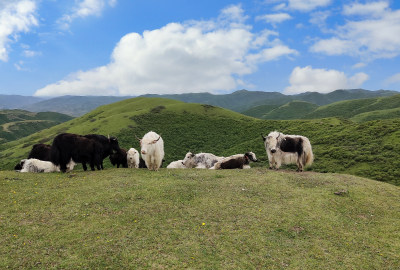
(197, 219)
(351, 108)
(17, 124)
(358, 110)
(376, 115)
(370, 149)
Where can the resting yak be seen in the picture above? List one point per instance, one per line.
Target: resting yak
(287, 149)
(239, 161)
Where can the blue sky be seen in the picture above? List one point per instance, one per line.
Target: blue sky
(129, 47)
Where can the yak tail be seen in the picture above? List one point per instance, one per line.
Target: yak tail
(308, 156)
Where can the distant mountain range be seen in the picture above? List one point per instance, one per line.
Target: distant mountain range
(238, 101)
(16, 101)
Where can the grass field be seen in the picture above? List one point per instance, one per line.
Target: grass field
(197, 219)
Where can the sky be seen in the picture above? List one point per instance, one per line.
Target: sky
(128, 48)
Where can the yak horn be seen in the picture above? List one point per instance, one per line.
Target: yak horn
(137, 138)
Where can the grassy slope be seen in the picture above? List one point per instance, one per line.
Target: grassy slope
(352, 108)
(359, 110)
(369, 149)
(376, 115)
(203, 219)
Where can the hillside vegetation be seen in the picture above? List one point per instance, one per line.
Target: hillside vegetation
(197, 219)
(17, 124)
(358, 110)
(370, 149)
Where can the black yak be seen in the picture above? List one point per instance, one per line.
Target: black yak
(67, 146)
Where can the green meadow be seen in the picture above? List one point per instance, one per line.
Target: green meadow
(197, 219)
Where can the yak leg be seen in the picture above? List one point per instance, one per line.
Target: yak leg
(84, 166)
(299, 165)
(63, 167)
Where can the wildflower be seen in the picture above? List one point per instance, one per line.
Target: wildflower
(203, 224)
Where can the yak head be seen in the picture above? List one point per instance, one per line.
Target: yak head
(188, 161)
(131, 154)
(145, 143)
(113, 143)
(251, 156)
(272, 141)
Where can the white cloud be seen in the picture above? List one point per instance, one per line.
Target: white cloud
(15, 17)
(370, 37)
(393, 79)
(308, 79)
(368, 9)
(359, 65)
(298, 5)
(189, 57)
(274, 18)
(307, 5)
(85, 8)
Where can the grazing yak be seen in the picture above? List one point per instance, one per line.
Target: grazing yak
(119, 158)
(287, 149)
(152, 150)
(107, 145)
(132, 157)
(239, 161)
(176, 165)
(40, 166)
(67, 146)
(41, 151)
(200, 160)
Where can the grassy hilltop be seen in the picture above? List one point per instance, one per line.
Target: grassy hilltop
(370, 149)
(197, 219)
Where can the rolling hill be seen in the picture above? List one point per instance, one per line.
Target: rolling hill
(17, 124)
(359, 110)
(370, 149)
(352, 108)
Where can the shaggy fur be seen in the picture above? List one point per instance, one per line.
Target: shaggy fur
(176, 165)
(288, 149)
(132, 157)
(106, 145)
(40, 166)
(152, 150)
(119, 158)
(200, 160)
(239, 161)
(67, 146)
(41, 151)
